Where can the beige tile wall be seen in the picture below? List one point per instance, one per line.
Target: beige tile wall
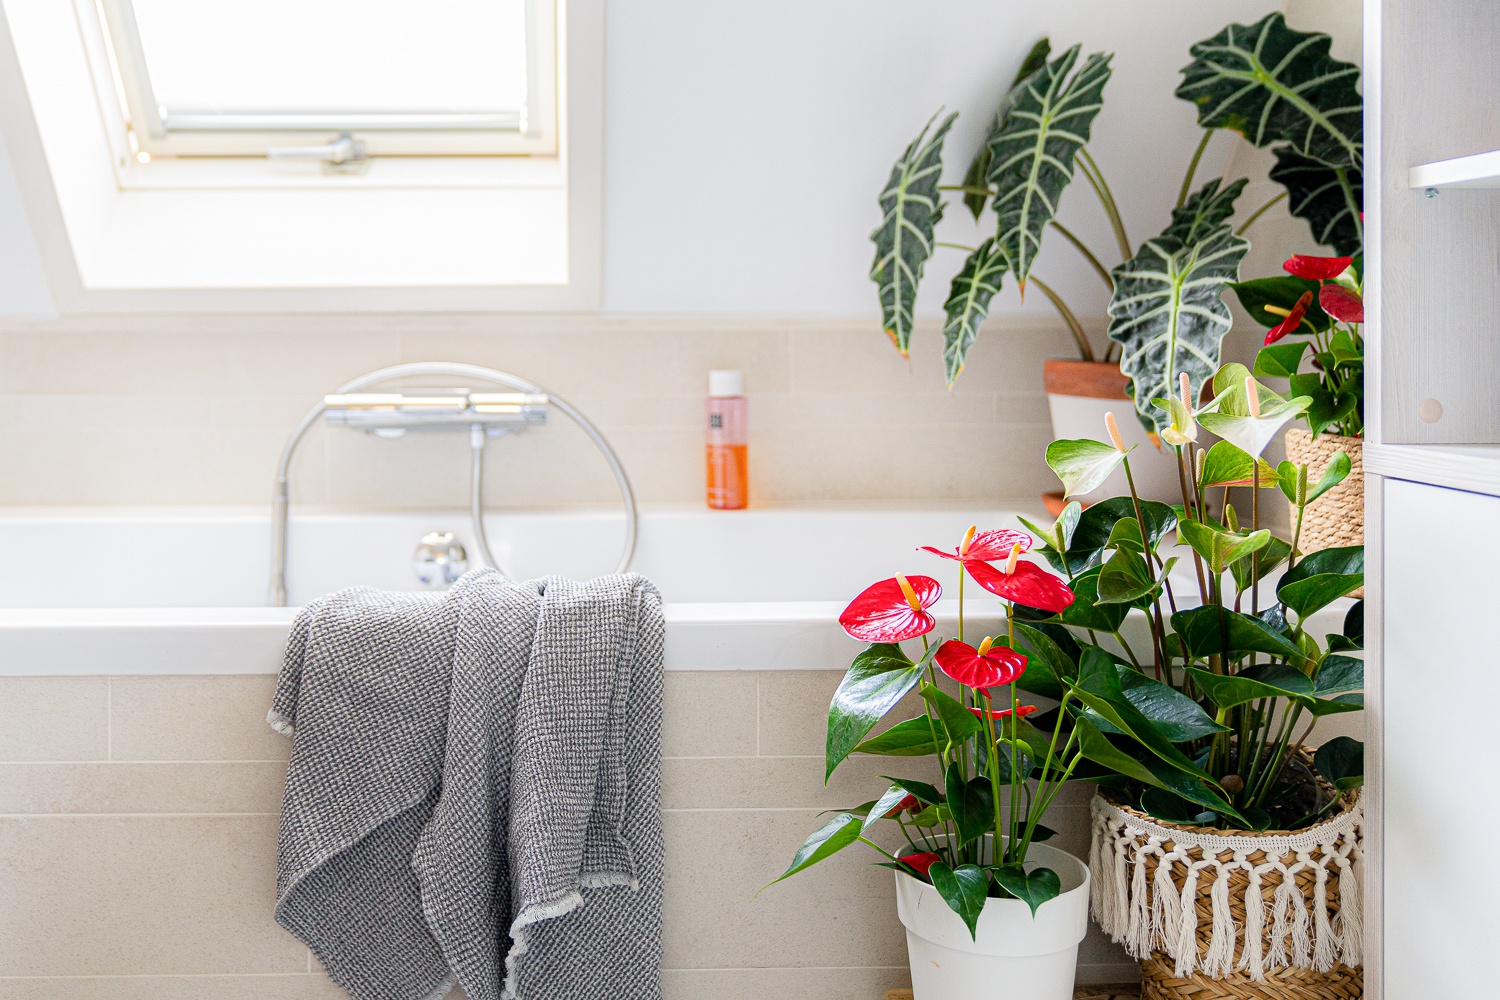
(195, 409)
(138, 830)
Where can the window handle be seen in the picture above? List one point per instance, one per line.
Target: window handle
(345, 154)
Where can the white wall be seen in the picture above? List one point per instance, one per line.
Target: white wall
(745, 144)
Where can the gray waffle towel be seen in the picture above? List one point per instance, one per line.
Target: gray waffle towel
(474, 793)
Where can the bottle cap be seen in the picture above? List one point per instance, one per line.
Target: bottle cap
(726, 382)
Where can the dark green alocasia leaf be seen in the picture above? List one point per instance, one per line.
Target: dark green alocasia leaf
(1175, 715)
(1273, 84)
(956, 721)
(1031, 155)
(911, 207)
(1279, 360)
(1207, 210)
(972, 804)
(879, 677)
(969, 303)
(964, 889)
(912, 738)
(1342, 762)
(1328, 198)
(830, 838)
(977, 176)
(1081, 464)
(1168, 316)
(1283, 292)
(1212, 630)
(1032, 888)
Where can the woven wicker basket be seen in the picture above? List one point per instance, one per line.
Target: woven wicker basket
(1159, 979)
(1337, 517)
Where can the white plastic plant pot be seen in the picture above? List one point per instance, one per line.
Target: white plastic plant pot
(1013, 955)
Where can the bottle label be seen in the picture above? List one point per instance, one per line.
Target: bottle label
(716, 421)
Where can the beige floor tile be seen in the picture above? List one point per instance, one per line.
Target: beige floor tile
(194, 718)
(141, 896)
(54, 718)
(841, 913)
(782, 984)
(709, 713)
(141, 788)
(782, 782)
(306, 986)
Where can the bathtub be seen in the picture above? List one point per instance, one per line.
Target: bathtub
(158, 591)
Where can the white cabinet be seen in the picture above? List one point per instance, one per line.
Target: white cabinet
(1441, 666)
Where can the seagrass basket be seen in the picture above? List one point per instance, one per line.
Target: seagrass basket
(1233, 914)
(1337, 517)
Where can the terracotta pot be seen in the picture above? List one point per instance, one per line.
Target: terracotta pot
(1079, 394)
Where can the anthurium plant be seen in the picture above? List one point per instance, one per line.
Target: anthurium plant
(1274, 85)
(1168, 654)
(1319, 303)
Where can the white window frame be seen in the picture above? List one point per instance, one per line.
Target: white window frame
(226, 234)
(120, 74)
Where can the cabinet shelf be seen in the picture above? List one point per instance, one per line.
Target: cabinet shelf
(1482, 170)
(1472, 467)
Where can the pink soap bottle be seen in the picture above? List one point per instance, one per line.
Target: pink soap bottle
(727, 453)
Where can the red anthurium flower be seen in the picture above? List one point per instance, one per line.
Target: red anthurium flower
(984, 546)
(908, 804)
(1317, 268)
(1292, 321)
(1025, 583)
(1004, 713)
(1342, 304)
(921, 862)
(981, 668)
(892, 610)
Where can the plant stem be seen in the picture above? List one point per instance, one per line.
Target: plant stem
(1159, 631)
(1184, 462)
(994, 758)
(1187, 181)
(1101, 186)
(1088, 254)
(1074, 327)
(1255, 216)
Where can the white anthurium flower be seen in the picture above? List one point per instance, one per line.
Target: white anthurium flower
(1246, 413)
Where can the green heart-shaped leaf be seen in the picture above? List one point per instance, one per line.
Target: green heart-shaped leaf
(912, 738)
(879, 677)
(1342, 762)
(972, 804)
(1032, 888)
(1215, 631)
(964, 889)
(1279, 360)
(957, 721)
(1226, 465)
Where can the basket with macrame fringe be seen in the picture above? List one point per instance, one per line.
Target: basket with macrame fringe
(1336, 518)
(1230, 914)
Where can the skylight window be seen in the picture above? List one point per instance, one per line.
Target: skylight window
(337, 80)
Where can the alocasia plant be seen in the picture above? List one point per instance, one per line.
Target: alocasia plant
(1277, 86)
